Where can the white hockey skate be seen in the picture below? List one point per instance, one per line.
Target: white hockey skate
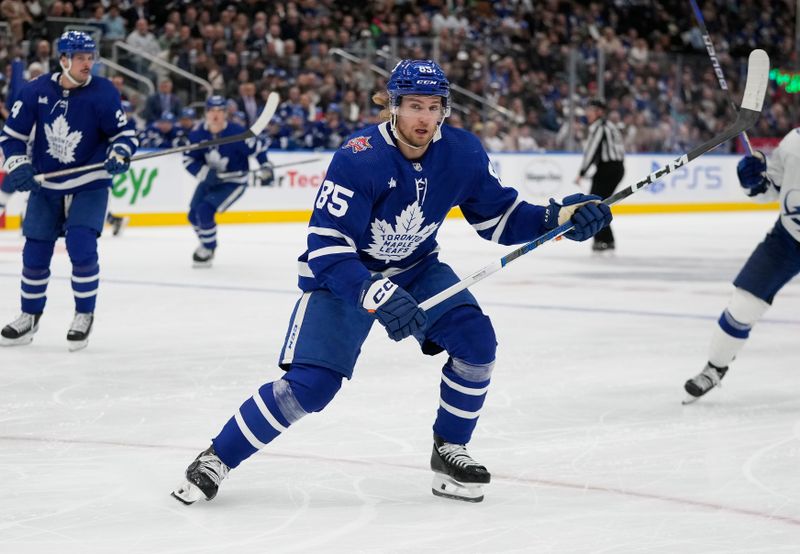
(202, 257)
(700, 384)
(20, 331)
(203, 477)
(78, 334)
(456, 474)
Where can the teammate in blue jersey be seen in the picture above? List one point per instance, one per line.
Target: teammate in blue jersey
(221, 172)
(372, 255)
(773, 263)
(161, 133)
(72, 119)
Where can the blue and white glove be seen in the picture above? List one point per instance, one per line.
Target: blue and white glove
(586, 211)
(397, 310)
(752, 172)
(20, 176)
(118, 160)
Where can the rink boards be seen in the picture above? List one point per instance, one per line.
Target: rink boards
(157, 191)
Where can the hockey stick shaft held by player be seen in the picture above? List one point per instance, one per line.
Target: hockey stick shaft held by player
(752, 102)
(255, 130)
(712, 54)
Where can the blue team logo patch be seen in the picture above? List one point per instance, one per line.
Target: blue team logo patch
(358, 144)
(791, 206)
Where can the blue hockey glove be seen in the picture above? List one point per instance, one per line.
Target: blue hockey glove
(118, 160)
(20, 174)
(752, 172)
(397, 310)
(586, 212)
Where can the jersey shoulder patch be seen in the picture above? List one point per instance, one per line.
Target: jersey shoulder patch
(358, 144)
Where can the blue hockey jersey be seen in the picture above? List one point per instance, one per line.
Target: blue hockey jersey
(231, 157)
(378, 212)
(68, 128)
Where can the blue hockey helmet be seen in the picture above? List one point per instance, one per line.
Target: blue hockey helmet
(216, 101)
(127, 106)
(189, 113)
(167, 116)
(73, 42)
(423, 77)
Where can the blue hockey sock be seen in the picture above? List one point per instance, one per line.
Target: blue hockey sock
(461, 396)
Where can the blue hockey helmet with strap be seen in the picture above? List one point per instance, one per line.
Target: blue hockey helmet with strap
(422, 77)
(216, 101)
(73, 42)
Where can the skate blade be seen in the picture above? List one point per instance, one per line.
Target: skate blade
(21, 341)
(188, 493)
(447, 487)
(200, 265)
(75, 345)
(690, 399)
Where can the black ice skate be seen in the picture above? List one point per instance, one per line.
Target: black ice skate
(78, 334)
(602, 246)
(456, 474)
(203, 477)
(203, 256)
(700, 384)
(21, 330)
(118, 224)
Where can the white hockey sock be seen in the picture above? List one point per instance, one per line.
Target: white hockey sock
(733, 327)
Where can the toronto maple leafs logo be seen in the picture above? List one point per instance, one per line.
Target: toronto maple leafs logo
(216, 161)
(391, 243)
(358, 144)
(61, 142)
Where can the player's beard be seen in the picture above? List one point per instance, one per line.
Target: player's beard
(409, 134)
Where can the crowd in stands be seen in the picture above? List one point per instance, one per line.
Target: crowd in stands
(656, 75)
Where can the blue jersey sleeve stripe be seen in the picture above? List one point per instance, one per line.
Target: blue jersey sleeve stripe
(331, 250)
(328, 232)
(304, 270)
(14, 134)
(498, 232)
(126, 133)
(487, 224)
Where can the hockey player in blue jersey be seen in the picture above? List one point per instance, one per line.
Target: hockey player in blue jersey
(215, 194)
(773, 263)
(372, 255)
(75, 119)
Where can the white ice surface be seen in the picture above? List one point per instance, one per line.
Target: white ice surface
(583, 429)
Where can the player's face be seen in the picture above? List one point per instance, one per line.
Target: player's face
(215, 117)
(81, 66)
(418, 117)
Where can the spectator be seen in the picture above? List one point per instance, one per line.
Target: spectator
(162, 101)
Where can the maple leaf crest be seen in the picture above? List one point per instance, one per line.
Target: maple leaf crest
(61, 143)
(395, 242)
(213, 159)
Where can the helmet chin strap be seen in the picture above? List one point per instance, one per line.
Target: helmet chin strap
(70, 77)
(393, 127)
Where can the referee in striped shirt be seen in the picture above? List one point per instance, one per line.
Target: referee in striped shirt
(605, 150)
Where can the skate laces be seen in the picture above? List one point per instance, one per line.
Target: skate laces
(708, 378)
(212, 467)
(456, 454)
(23, 322)
(81, 322)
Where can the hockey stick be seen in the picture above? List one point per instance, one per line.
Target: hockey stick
(752, 101)
(254, 130)
(723, 84)
(233, 174)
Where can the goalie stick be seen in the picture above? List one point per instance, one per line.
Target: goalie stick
(752, 102)
(254, 130)
(712, 54)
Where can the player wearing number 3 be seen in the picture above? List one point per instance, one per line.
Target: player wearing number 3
(73, 119)
(372, 255)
